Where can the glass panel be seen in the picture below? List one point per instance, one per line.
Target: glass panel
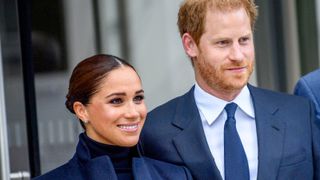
(58, 129)
(308, 35)
(13, 87)
(4, 161)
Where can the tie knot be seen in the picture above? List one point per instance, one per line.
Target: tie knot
(231, 109)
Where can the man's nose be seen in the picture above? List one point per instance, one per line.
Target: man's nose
(236, 53)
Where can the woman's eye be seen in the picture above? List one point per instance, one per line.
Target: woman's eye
(138, 99)
(116, 101)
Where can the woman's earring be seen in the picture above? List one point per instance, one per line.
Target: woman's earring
(85, 121)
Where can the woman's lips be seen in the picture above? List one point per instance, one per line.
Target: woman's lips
(128, 127)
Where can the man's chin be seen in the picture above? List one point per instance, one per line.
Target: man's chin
(234, 86)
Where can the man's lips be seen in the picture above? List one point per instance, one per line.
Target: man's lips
(237, 69)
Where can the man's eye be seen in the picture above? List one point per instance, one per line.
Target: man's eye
(244, 40)
(116, 101)
(138, 99)
(223, 43)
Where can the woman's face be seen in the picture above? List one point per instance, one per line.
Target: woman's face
(116, 113)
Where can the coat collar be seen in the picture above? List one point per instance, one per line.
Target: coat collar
(98, 168)
(102, 168)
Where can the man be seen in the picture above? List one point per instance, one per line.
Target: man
(224, 128)
(309, 87)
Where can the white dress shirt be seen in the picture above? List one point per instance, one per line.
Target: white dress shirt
(213, 117)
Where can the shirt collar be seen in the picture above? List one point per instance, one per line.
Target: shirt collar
(211, 107)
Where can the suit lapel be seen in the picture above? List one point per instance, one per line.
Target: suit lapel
(270, 132)
(191, 143)
(192, 146)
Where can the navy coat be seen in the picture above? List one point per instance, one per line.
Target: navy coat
(82, 167)
(288, 137)
(309, 86)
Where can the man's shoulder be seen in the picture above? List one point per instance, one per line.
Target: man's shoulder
(311, 80)
(171, 105)
(271, 95)
(312, 76)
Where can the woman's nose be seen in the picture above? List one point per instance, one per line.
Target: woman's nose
(132, 111)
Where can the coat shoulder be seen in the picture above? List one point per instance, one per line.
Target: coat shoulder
(312, 77)
(66, 171)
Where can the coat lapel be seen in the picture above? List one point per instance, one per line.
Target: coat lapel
(96, 168)
(100, 168)
(140, 169)
(270, 132)
(191, 143)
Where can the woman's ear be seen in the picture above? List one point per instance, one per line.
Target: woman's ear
(189, 45)
(81, 111)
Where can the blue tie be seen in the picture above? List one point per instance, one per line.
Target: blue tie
(235, 160)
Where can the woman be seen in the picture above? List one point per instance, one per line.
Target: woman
(106, 95)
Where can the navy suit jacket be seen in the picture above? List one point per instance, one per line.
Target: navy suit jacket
(309, 86)
(288, 138)
(82, 167)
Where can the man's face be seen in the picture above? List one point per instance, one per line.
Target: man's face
(224, 57)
